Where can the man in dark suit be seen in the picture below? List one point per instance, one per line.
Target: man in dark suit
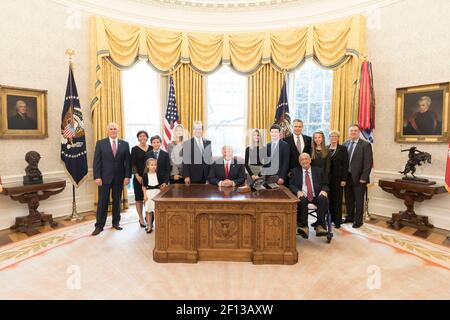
(276, 156)
(163, 160)
(112, 171)
(21, 120)
(310, 186)
(197, 157)
(227, 171)
(298, 143)
(360, 164)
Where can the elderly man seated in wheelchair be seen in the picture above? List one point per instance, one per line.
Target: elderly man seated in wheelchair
(310, 186)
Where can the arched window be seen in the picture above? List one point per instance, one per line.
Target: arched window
(226, 110)
(312, 97)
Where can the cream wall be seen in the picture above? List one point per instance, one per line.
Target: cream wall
(34, 37)
(408, 44)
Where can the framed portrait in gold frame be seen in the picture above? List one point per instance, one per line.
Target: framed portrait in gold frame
(23, 113)
(422, 113)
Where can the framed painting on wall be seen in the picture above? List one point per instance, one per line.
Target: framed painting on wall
(23, 113)
(422, 113)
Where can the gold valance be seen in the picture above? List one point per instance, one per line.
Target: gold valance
(330, 44)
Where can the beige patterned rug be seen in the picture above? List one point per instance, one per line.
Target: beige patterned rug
(366, 263)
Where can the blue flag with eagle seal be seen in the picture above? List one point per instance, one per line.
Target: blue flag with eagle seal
(73, 139)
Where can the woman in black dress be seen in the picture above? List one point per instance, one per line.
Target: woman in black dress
(252, 156)
(138, 157)
(320, 154)
(338, 177)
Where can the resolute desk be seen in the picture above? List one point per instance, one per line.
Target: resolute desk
(203, 222)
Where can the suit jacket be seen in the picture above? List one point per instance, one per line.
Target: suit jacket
(25, 123)
(163, 163)
(361, 162)
(276, 162)
(339, 165)
(217, 172)
(196, 166)
(293, 151)
(318, 180)
(106, 166)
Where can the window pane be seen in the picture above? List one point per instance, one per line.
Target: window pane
(141, 103)
(227, 99)
(313, 86)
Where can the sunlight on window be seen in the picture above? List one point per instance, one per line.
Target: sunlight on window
(141, 101)
(312, 97)
(226, 114)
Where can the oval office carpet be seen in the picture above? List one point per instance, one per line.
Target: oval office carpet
(119, 265)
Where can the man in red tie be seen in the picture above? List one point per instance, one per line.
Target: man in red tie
(112, 171)
(310, 186)
(227, 171)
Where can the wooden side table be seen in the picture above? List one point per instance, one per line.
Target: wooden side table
(31, 195)
(410, 192)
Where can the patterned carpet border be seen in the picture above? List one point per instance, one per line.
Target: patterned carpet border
(14, 253)
(430, 252)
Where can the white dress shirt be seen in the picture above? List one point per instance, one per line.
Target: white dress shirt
(302, 142)
(199, 142)
(225, 162)
(111, 142)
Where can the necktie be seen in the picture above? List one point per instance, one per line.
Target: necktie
(156, 155)
(299, 144)
(227, 169)
(114, 148)
(350, 154)
(200, 145)
(309, 191)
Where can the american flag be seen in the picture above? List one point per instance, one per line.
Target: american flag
(69, 131)
(171, 118)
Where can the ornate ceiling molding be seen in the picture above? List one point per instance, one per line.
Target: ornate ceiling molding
(188, 15)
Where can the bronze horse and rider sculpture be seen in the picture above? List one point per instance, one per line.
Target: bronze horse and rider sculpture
(415, 158)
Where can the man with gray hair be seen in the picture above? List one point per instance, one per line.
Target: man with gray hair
(310, 186)
(21, 120)
(112, 171)
(227, 171)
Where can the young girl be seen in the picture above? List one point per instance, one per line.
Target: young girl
(150, 187)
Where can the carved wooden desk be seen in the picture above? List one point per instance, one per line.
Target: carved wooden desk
(410, 192)
(31, 195)
(203, 222)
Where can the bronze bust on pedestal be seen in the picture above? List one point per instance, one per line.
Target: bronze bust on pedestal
(33, 174)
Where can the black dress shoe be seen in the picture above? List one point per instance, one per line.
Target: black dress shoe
(337, 226)
(143, 225)
(357, 225)
(117, 227)
(347, 221)
(97, 231)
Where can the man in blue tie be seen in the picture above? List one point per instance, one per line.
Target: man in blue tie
(310, 186)
(360, 164)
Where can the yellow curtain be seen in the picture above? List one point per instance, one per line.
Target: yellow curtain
(109, 108)
(330, 44)
(264, 87)
(344, 111)
(189, 94)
